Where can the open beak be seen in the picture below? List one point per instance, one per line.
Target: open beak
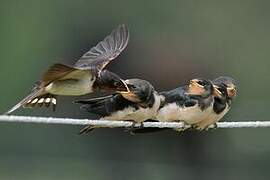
(192, 83)
(217, 92)
(131, 96)
(127, 90)
(194, 88)
(231, 90)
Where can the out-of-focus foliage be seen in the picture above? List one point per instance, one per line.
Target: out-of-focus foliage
(171, 42)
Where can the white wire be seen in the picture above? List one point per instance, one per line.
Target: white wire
(112, 124)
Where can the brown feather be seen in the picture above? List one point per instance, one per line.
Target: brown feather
(23, 102)
(56, 71)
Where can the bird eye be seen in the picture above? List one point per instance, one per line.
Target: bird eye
(201, 83)
(117, 84)
(131, 86)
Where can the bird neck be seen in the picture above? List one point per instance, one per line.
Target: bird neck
(203, 101)
(148, 101)
(219, 105)
(102, 81)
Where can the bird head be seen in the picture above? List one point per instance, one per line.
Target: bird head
(228, 84)
(110, 81)
(220, 92)
(140, 90)
(200, 87)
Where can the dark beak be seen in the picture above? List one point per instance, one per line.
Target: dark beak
(131, 94)
(217, 92)
(123, 88)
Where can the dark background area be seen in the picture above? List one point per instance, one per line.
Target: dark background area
(170, 43)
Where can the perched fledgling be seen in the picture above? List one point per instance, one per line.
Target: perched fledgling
(85, 76)
(222, 102)
(139, 104)
(189, 104)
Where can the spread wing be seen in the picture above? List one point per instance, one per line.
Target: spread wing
(106, 50)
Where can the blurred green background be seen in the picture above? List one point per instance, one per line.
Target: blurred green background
(170, 42)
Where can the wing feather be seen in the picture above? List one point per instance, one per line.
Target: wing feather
(105, 51)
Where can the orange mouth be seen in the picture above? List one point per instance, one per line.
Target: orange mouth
(126, 88)
(195, 89)
(231, 91)
(131, 96)
(125, 85)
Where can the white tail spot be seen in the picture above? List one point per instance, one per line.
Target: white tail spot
(47, 100)
(54, 101)
(41, 100)
(34, 101)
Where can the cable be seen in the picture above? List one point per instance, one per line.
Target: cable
(113, 124)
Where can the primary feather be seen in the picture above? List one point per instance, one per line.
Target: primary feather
(106, 50)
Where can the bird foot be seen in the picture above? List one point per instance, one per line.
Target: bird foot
(197, 127)
(205, 128)
(211, 126)
(215, 126)
(132, 128)
(183, 128)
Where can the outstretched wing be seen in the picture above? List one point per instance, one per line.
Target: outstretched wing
(105, 51)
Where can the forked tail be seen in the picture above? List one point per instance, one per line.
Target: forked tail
(36, 98)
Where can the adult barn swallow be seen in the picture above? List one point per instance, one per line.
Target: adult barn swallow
(85, 76)
(139, 104)
(190, 104)
(222, 102)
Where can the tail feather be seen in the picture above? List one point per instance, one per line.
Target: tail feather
(43, 100)
(36, 98)
(28, 98)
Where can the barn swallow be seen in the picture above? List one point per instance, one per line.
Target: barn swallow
(190, 104)
(137, 105)
(222, 101)
(85, 76)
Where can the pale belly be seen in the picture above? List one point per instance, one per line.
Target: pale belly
(71, 87)
(211, 119)
(138, 115)
(189, 115)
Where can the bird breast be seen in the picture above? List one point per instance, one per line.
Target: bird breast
(136, 114)
(189, 115)
(74, 84)
(211, 119)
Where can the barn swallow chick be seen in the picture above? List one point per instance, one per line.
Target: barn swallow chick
(189, 104)
(85, 76)
(222, 102)
(139, 104)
